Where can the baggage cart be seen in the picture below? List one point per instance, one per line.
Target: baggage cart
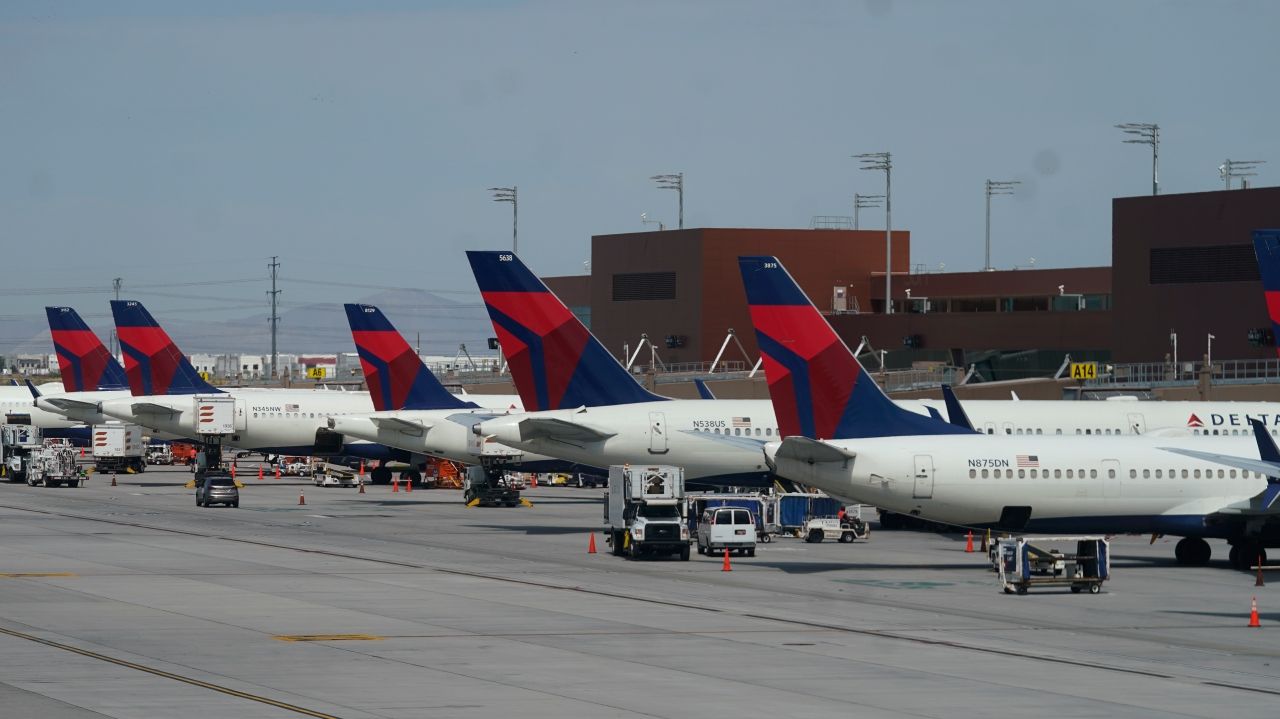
(1081, 563)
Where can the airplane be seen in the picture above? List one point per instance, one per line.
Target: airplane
(583, 406)
(416, 413)
(280, 421)
(89, 374)
(840, 433)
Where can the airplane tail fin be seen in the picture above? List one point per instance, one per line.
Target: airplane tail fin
(396, 376)
(1266, 245)
(85, 364)
(152, 362)
(819, 389)
(555, 361)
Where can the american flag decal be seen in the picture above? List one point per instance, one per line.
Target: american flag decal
(741, 422)
(1028, 461)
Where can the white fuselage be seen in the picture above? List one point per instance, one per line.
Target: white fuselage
(692, 433)
(18, 400)
(1066, 484)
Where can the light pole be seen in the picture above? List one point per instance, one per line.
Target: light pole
(1146, 133)
(508, 194)
(862, 202)
(883, 161)
(995, 187)
(673, 182)
(1238, 168)
(1208, 353)
(1173, 337)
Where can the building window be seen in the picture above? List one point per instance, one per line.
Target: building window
(1219, 263)
(635, 286)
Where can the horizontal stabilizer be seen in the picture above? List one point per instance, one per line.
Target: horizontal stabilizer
(67, 404)
(812, 450)
(561, 430)
(405, 426)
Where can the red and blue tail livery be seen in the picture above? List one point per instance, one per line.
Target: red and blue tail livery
(554, 360)
(1266, 245)
(85, 364)
(818, 388)
(152, 362)
(396, 376)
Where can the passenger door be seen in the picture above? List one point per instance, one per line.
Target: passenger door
(657, 433)
(1137, 425)
(923, 477)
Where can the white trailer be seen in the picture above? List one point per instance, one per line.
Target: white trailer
(118, 447)
(644, 511)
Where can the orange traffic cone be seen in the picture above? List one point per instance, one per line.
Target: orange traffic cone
(591, 543)
(395, 484)
(1253, 613)
(301, 498)
(968, 543)
(233, 470)
(82, 452)
(408, 484)
(113, 479)
(726, 567)
(1259, 582)
(259, 471)
(362, 468)
(277, 471)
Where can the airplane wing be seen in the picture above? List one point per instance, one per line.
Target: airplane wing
(153, 408)
(1229, 460)
(812, 450)
(404, 426)
(560, 430)
(1267, 464)
(68, 405)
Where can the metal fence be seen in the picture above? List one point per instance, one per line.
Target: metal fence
(1167, 373)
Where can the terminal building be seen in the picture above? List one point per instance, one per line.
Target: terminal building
(1182, 265)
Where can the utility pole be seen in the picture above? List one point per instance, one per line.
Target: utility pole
(275, 318)
(1238, 168)
(508, 194)
(995, 187)
(115, 285)
(675, 182)
(883, 161)
(1146, 133)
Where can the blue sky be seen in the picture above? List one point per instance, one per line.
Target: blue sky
(165, 142)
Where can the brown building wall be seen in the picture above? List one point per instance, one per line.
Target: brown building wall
(1146, 312)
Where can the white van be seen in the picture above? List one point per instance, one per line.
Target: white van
(732, 528)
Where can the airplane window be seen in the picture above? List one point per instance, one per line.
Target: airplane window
(255, 415)
(1221, 474)
(1133, 474)
(984, 474)
(1111, 474)
(1022, 473)
(313, 415)
(737, 432)
(1019, 430)
(1059, 431)
(1196, 474)
(990, 431)
(1159, 474)
(1039, 431)
(1146, 474)
(1008, 430)
(757, 431)
(1033, 474)
(768, 431)
(1106, 431)
(1088, 431)
(1057, 474)
(1184, 473)
(1215, 433)
(1070, 474)
(973, 474)
(1173, 473)
(1093, 474)
(1078, 431)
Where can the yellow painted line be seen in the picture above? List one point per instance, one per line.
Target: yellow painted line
(25, 575)
(170, 675)
(328, 638)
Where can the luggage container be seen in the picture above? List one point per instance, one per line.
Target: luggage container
(1081, 563)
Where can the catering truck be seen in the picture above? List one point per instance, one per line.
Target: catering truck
(644, 511)
(118, 447)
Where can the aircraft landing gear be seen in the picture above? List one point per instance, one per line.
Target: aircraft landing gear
(1192, 551)
(1245, 552)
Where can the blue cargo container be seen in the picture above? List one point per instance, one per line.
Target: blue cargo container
(795, 509)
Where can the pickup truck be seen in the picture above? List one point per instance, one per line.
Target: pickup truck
(732, 528)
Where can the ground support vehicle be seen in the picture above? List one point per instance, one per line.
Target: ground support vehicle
(334, 477)
(644, 512)
(159, 454)
(17, 443)
(489, 487)
(1027, 562)
(54, 465)
(841, 529)
(763, 507)
(118, 447)
(730, 529)
(796, 508)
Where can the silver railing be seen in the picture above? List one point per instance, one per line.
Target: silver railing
(1167, 373)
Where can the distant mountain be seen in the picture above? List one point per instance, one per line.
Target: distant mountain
(444, 323)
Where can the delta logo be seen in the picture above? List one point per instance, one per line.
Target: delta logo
(1194, 421)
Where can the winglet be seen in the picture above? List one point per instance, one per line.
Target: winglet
(395, 375)
(1266, 247)
(153, 363)
(819, 389)
(703, 390)
(955, 412)
(1267, 450)
(84, 363)
(35, 393)
(555, 362)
